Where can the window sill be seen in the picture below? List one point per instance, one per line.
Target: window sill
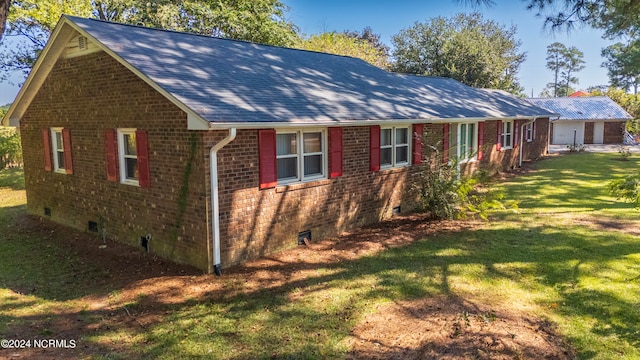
(60, 171)
(393, 170)
(299, 186)
(130, 182)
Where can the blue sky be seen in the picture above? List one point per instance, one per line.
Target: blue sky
(387, 18)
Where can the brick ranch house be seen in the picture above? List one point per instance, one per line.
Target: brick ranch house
(222, 150)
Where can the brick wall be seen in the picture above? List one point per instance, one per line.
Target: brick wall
(255, 222)
(613, 132)
(87, 95)
(588, 132)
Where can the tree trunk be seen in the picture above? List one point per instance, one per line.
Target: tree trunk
(4, 12)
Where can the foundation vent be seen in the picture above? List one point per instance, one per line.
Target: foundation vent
(304, 237)
(92, 226)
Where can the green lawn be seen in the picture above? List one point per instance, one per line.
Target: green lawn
(570, 254)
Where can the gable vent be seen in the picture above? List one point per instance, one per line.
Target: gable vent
(82, 43)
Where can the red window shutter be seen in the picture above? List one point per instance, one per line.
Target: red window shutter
(268, 163)
(111, 154)
(374, 148)
(480, 139)
(46, 149)
(417, 143)
(445, 142)
(335, 152)
(66, 144)
(516, 133)
(499, 142)
(144, 170)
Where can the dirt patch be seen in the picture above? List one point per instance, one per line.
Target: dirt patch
(134, 290)
(452, 328)
(606, 224)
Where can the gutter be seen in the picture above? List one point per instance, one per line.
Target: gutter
(522, 138)
(214, 255)
(363, 122)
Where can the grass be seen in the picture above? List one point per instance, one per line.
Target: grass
(569, 255)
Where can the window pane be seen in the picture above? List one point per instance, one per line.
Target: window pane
(312, 165)
(312, 142)
(463, 134)
(60, 155)
(385, 137)
(385, 156)
(402, 136)
(507, 127)
(402, 154)
(130, 144)
(288, 168)
(507, 140)
(286, 144)
(470, 140)
(59, 145)
(131, 168)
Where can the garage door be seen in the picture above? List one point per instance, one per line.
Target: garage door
(563, 133)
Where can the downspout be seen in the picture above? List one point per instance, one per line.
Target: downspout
(522, 138)
(214, 258)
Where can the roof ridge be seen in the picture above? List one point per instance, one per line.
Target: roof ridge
(71, 17)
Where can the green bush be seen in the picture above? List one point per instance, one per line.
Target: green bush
(446, 194)
(10, 148)
(627, 188)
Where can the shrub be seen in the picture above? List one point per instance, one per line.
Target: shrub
(446, 194)
(10, 148)
(627, 188)
(624, 152)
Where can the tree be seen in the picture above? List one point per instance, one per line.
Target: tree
(574, 63)
(466, 47)
(555, 63)
(260, 21)
(623, 65)
(555, 90)
(372, 38)
(346, 45)
(4, 11)
(564, 62)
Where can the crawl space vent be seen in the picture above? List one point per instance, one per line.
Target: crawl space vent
(92, 226)
(304, 235)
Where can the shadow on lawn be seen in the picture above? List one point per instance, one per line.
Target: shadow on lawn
(310, 308)
(12, 178)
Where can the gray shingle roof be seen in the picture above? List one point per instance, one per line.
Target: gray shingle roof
(235, 81)
(583, 108)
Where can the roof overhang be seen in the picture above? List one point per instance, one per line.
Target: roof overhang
(592, 120)
(64, 31)
(329, 123)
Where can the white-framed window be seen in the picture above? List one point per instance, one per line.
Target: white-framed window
(128, 156)
(394, 146)
(300, 155)
(467, 141)
(57, 147)
(507, 134)
(528, 132)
